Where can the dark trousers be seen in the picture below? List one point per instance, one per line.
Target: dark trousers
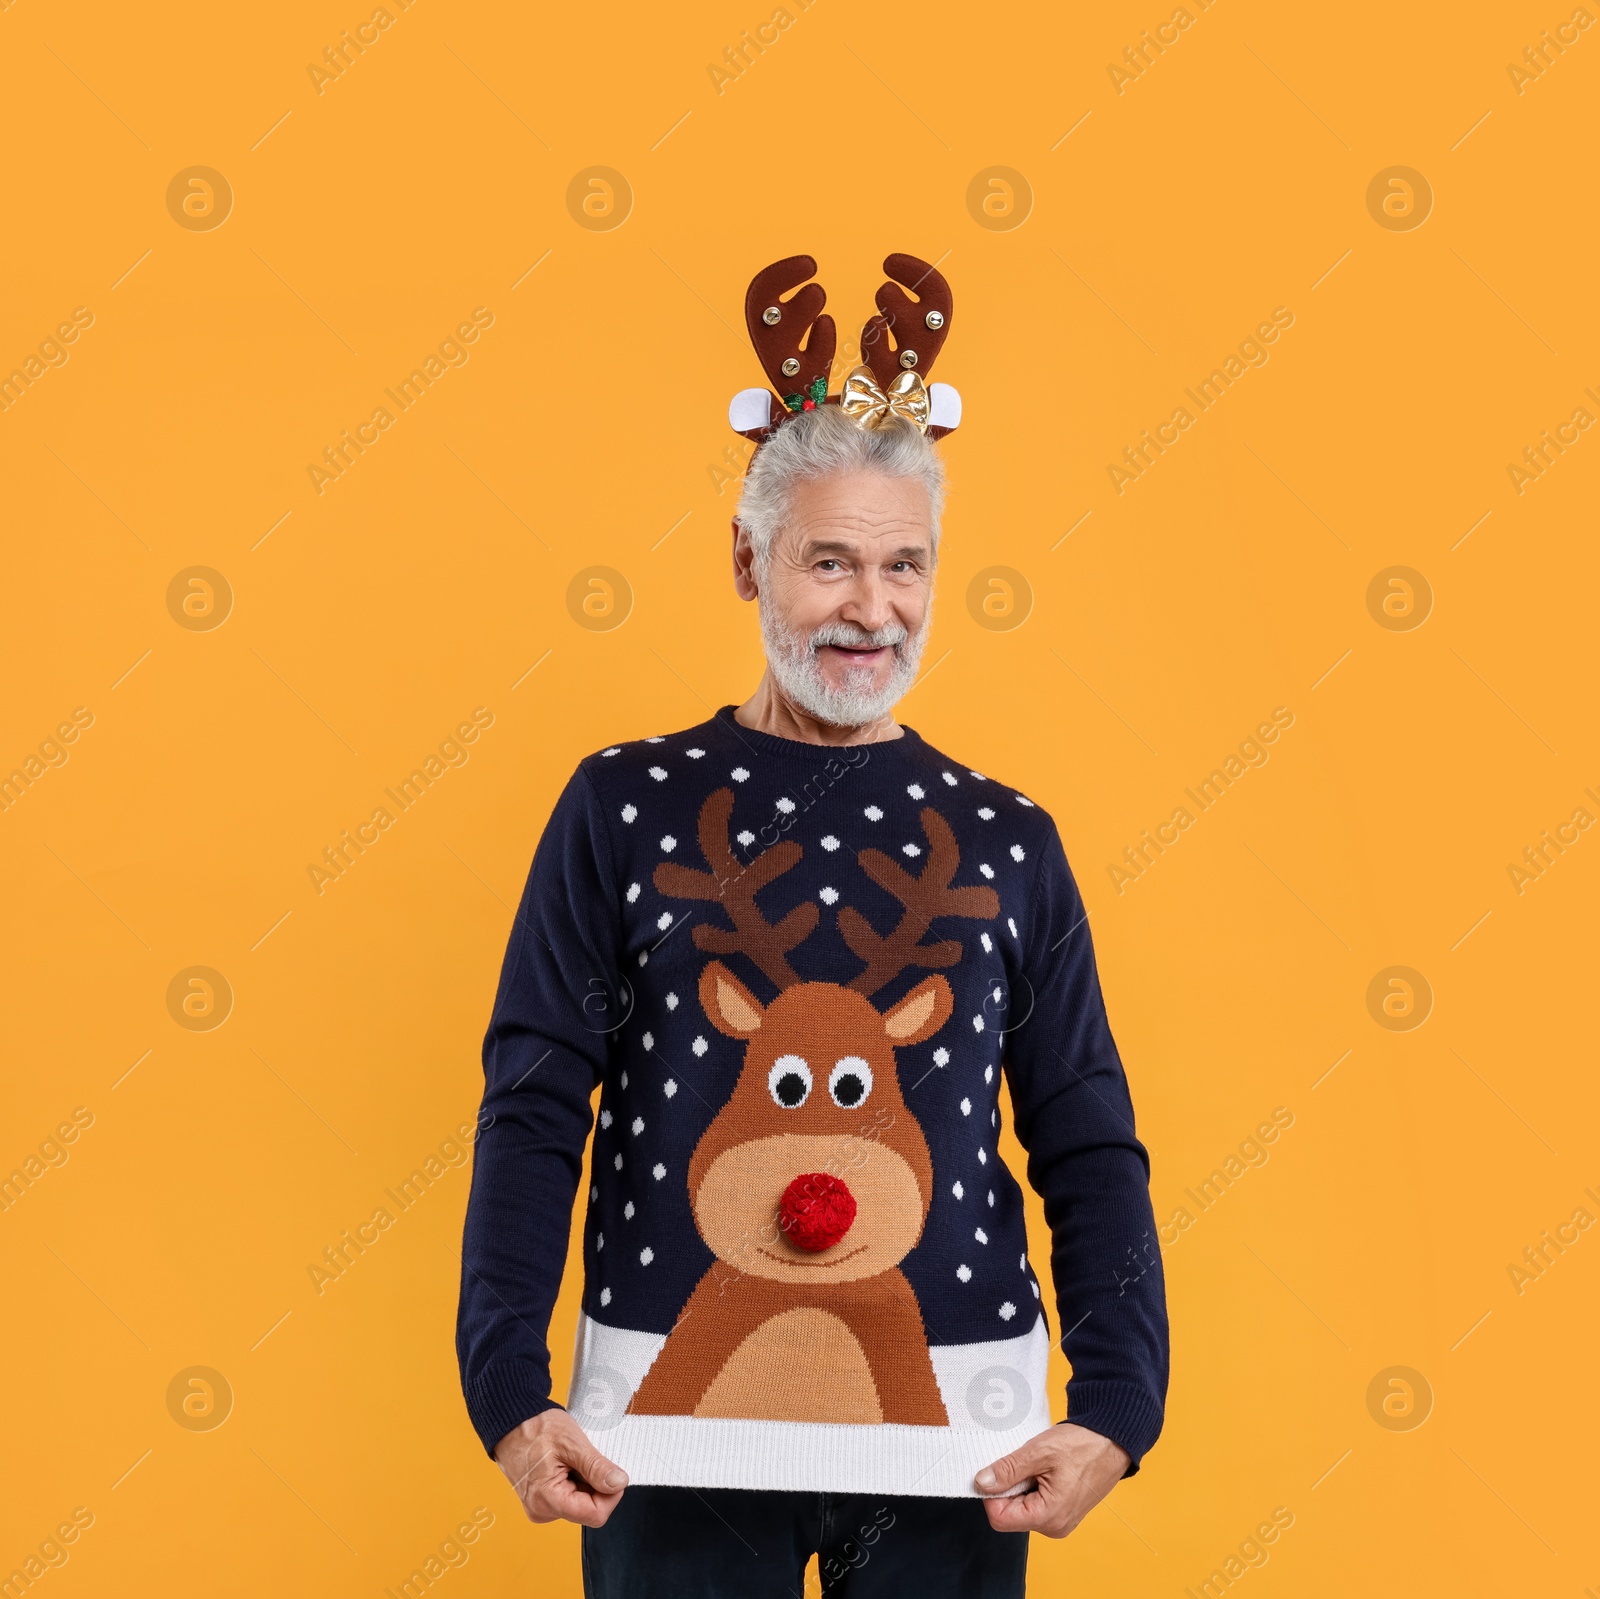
(735, 1543)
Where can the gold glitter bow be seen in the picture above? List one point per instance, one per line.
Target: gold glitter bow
(869, 406)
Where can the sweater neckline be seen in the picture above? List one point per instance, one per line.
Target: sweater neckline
(909, 743)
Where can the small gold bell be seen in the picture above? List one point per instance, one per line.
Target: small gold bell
(772, 316)
(935, 320)
(790, 367)
(908, 358)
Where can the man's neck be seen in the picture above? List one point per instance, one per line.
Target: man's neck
(769, 710)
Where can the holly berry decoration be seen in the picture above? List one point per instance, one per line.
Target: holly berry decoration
(810, 398)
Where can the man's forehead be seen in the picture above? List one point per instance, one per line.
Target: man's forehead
(831, 513)
(892, 541)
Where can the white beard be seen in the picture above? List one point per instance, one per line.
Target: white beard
(792, 659)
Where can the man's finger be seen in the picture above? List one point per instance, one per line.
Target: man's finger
(573, 1502)
(1021, 1513)
(530, 1466)
(1009, 1470)
(600, 1474)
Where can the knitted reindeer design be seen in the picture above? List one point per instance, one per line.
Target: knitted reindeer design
(813, 1182)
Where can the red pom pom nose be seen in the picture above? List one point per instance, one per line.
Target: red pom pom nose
(816, 1211)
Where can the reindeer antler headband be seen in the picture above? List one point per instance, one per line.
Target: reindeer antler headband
(795, 343)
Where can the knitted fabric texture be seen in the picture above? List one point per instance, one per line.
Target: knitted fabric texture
(796, 975)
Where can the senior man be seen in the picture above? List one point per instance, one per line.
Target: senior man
(795, 948)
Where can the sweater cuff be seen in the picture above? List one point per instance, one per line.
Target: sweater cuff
(1126, 1413)
(503, 1396)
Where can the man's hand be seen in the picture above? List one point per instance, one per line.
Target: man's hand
(1073, 1470)
(544, 1456)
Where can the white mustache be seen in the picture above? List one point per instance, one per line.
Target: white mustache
(891, 636)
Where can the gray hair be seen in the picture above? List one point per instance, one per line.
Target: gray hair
(819, 443)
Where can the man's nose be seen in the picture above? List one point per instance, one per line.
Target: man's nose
(869, 605)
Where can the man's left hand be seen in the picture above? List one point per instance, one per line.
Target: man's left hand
(1073, 1470)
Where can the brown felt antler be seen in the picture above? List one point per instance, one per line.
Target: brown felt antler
(924, 897)
(734, 886)
(779, 327)
(918, 327)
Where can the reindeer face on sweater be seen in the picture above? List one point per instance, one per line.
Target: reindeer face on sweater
(815, 1170)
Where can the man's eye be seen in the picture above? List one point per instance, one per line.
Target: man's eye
(823, 566)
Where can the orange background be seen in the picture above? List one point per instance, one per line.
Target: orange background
(1155, 228)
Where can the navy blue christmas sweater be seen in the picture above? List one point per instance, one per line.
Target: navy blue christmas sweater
(797, 974)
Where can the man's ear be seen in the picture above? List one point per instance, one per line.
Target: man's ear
(744, 560)
(921, 1013)
(730, 1007)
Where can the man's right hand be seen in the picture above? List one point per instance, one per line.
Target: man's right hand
(558, 1474)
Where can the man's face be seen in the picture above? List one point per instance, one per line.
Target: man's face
(847, 597)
